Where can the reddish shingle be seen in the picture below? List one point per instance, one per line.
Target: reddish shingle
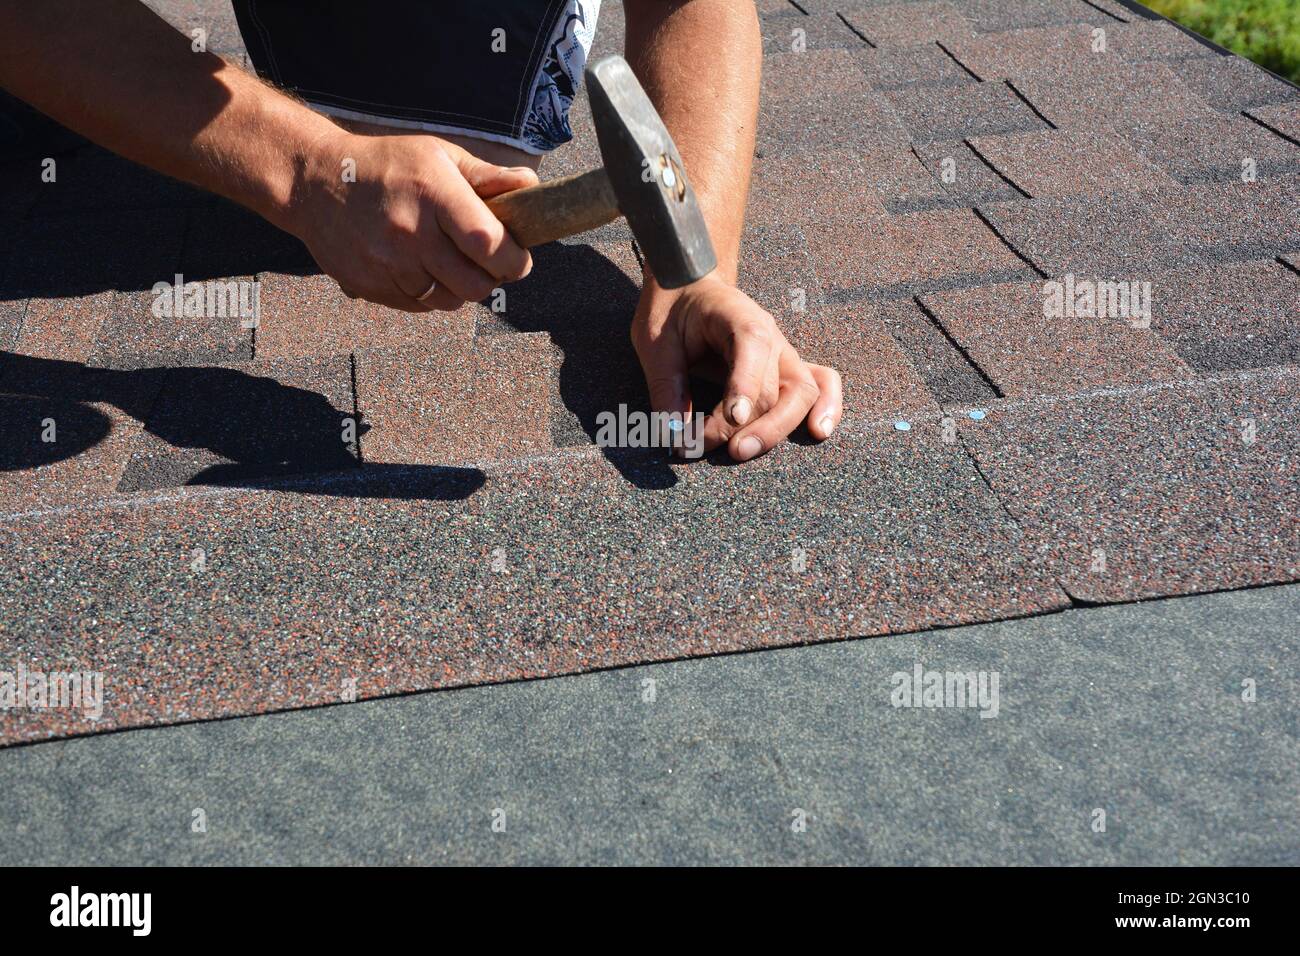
(1231, 316)
(879, 381)
(1005, 330)
(489, 404)
(999, 16)
(966, 179)
(1070, 162)
(1218, 147)
(216, 425)
(134, 337)
(64, 328)
(1038, 51)
(951, 377)
(1130, 234)
(560, 567)
(777, 271)
(907, 254)
(1154, 491)
(1282, 119)
(309, 316)
(1155, 40)
(1120, 95)
(1233, 84)
(954, 112)
(892, 68)
(821, 100)
(84, 462)
(830, 189)
(909, 24)
(901, 181)
(816, 32)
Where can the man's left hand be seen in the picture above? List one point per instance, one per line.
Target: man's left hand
(714, 330)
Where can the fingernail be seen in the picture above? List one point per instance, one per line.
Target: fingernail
(749, 447)
(828, 425)
(740, 410)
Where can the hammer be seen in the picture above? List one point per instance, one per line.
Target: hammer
(642, 179)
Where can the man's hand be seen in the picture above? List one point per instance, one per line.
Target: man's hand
(715, 330)
(413, 216)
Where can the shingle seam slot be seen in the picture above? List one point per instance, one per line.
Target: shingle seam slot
(356, 405)
(952, 56)
(1113, 16)
(1024, 99)
(797, 7)
(1003, 239)
(1272, 129)
(997, 172)
(934, 320)
(1287, 265)
(856, 32)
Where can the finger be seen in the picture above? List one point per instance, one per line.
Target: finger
(386, 294)
(478, 234)
(414, 281)
(488, 179)
(455, 273)
(772, 428)
(750, 356)
(829, 407)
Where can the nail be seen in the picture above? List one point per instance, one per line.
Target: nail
(749, 447)
(828, 425)
(740, 411)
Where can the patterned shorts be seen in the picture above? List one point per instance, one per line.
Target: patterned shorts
(501, 70)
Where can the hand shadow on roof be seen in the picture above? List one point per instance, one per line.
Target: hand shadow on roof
(204, 426)
(585, 303)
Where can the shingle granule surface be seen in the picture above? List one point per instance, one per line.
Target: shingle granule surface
(231, 519)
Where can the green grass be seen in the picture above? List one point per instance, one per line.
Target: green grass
(1266, 31)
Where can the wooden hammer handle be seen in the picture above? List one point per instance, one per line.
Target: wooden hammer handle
(557, 209)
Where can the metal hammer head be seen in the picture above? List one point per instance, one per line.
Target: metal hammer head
(648, 177)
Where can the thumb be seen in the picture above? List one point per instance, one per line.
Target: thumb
(488, 179)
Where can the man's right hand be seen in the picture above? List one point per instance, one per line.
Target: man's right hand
(413, 216)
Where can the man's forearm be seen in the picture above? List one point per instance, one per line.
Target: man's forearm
(118, 74)
(699, 63)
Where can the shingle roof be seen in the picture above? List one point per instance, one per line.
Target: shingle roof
(237, 520)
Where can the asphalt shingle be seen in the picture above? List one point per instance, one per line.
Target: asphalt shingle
(965, 178)
(139, 332)
(821, 100)
(954, 112)
(799, 34)
(909, 24)
(1017, 335)
(1216, 148)
(1130, 234)
(213, 425)
(949, 374)
(540, 571)
(1232, 84)
(918, 252)
(1229, 317)
(305, 316)
(452, 408)
(417, 501)
(1284, 119)
(1069, 162)
(1156, 490)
